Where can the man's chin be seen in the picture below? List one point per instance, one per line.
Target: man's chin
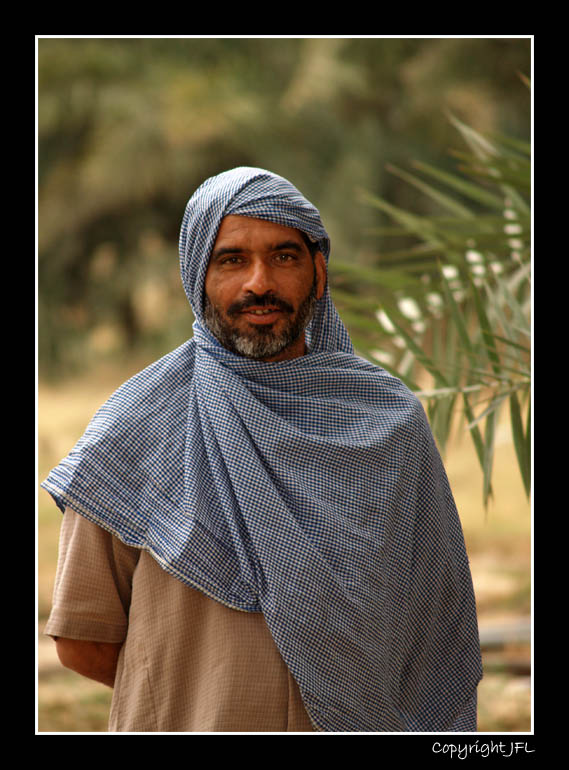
(259, 345)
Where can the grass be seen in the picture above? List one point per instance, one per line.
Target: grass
(498, 542)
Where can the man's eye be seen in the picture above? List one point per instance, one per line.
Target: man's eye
(286, 257)
(231, 260)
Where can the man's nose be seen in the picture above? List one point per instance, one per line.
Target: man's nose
(259, 279)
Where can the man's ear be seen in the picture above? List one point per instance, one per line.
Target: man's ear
(321, 274)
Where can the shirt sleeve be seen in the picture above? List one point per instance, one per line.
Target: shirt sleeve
(92, 592)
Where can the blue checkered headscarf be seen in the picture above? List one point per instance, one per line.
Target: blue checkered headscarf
(310, 490)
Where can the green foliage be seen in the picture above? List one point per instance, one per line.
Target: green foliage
(459, 308)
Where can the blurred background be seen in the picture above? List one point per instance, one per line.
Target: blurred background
(129, 127)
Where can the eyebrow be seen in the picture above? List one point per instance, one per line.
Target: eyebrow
(221, 252)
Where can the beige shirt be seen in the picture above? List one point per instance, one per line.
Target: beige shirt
(188, 663)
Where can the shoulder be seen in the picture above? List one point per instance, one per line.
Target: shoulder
(386, 387)
(161, 379)
(155, 395)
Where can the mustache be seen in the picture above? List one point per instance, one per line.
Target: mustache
(266, 300)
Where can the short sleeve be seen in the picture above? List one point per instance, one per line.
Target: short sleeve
(92, 592)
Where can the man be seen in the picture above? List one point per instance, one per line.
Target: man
(258, 532)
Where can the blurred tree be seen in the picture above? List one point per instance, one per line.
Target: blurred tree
(128, 128)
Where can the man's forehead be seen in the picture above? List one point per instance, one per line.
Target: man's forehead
(234, 224)
(240, 232)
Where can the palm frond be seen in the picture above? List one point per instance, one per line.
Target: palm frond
(473, 254)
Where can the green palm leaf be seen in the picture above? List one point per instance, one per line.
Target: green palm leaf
(477, 260)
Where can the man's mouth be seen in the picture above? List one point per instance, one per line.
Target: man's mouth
(262, 315)
(261, 311)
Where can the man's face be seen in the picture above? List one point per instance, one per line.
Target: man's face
(261, 287)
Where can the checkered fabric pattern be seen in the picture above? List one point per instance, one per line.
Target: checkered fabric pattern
(310, 490)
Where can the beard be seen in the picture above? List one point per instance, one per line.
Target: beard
(260, 342)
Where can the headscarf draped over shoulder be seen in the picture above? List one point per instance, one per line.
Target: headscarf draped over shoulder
(310, 490)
